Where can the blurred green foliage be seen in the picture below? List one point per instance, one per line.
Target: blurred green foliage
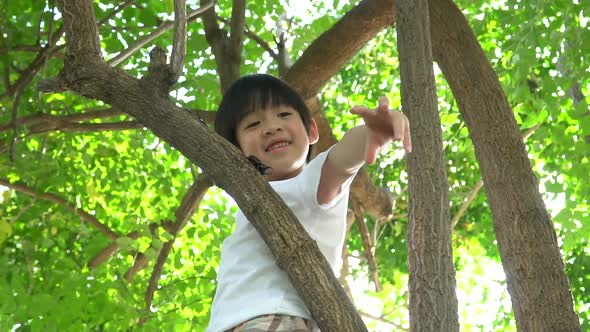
(129, 179)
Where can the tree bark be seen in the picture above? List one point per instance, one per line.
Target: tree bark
(432, 300)
(330, 51)
(86, 73)
(539, 289)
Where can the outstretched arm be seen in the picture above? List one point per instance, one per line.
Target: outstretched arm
(360, 145)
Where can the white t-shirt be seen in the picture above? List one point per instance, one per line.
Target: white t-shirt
(250, 283)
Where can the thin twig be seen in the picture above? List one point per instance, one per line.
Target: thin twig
(188, 206)
(115, 12)
(179, 46)
(261, 42)
(381, 319)
(284, 61)
(124, 55)
(364, 230)
(467, 202)
(28, 74)
(345, 269)
(15, 103)
(30, 268)
(22, 210)
(108, 251)
(85, 216)
(51, 23)
(473, 194)
(21, 48)
(43, 123)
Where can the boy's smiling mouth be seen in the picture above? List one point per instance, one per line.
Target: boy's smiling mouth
(277, 145)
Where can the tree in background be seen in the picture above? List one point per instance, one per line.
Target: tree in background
(68, 159)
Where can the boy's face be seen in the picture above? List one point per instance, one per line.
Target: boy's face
(278, 138)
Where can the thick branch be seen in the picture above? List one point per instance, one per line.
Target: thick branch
(433, 300)
(179, 46)
(82, 31)
(237, 26)
(330, 51)
(524, 231)
(226, 49)
(85, 216)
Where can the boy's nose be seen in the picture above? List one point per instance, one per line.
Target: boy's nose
(271, 129)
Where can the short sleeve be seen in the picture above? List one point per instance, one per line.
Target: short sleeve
(312, 174)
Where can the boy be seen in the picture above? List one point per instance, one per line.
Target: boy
(267, 119)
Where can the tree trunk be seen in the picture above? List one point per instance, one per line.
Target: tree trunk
(537, 283)
(432, 300)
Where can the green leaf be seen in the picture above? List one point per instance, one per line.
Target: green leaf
(125, 242)
(5, 231)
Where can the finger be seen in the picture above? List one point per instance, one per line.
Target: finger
(371, 153)
(407, 138)
(383, 103)
(398, 126)
(359, 110)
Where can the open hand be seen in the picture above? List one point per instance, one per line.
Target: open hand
(384, 126)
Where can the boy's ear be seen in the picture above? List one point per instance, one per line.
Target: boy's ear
(313, 133)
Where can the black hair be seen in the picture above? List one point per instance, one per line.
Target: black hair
(255, 92)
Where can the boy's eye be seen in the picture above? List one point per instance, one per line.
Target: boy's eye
(252, 124)
(284, 114)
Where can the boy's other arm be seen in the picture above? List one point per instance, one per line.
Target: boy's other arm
(360, 145)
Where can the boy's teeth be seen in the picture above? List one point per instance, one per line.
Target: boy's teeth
(278, 145)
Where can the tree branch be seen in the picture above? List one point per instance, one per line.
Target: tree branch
(108, 251)
(44, 123)
(14, 113)
(28, 74)
(188, 206)
(284, 60)
(227, 50)
(467, 202)
(115, 12)
(82, 38)
(345, 269)
(473, 194)
(250, 34)
(124, 55)
(89, 76)
(85, 216)
(45, 52)
(237, 27)
(367, 245)
(330, 51)
(179, 46)
(398, 327)
(64, 122)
